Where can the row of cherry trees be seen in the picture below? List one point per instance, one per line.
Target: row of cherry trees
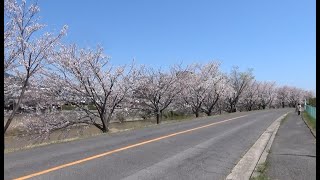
(45, 71)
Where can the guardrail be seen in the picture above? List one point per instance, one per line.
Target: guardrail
(311, 111)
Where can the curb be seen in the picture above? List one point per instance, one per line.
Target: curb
(266, 151)
(313, 133)
(256, 155)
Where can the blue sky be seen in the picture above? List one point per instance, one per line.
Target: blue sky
(277, 38)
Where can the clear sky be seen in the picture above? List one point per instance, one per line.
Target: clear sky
(277, 38)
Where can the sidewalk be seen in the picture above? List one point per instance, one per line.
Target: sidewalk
(293, 152)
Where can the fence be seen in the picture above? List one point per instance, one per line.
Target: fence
(311, 111)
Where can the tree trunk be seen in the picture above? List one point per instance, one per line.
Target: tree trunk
(104, 128)
(232, 108)
(197, 113)
(209, 111)
(15, 109)
(158, 118)
(105, 124)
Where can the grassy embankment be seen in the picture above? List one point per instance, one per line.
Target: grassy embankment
(309, 120)
(15, 140)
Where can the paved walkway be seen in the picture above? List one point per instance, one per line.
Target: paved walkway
(293, 152)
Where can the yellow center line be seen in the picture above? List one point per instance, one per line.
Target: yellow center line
(120, 149)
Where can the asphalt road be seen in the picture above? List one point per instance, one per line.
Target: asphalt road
(207, 152)
(293, 152)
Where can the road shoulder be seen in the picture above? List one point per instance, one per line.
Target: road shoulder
(293, 153)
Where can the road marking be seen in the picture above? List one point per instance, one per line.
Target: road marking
(121, 149)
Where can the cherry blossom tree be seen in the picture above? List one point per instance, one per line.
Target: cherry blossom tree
(239, 81)
(201, 90)
(26, 52)
(282, 95)
(249, 99)
(309, 97)
(155, 90)
(216, 92)
(221, 102)
(11, 49)
(295, 96)
(85, 75)
(266, 94)
(308, 94)
(195, 86)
